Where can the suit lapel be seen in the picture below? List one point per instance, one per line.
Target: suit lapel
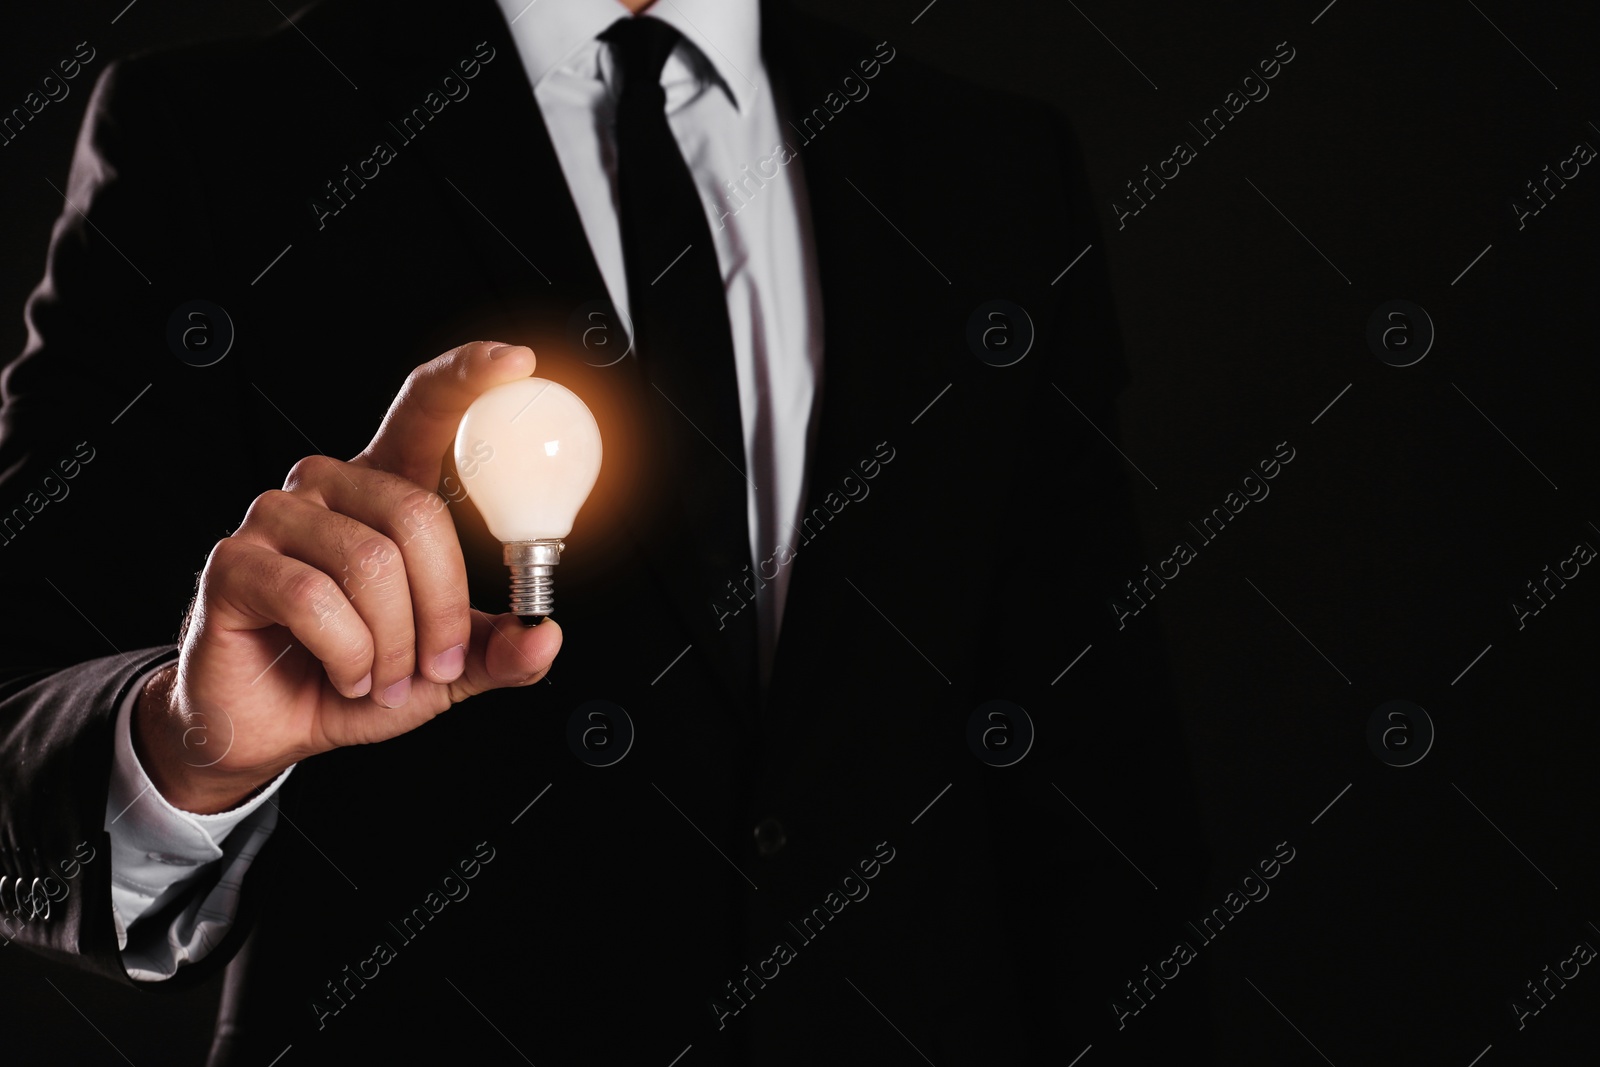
(805, 62)
(495, 167)
(886, 342)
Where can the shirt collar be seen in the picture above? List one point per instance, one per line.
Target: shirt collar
(726, 32)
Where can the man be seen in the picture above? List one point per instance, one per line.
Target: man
(762, 810)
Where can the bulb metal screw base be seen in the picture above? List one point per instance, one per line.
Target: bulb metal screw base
(533, 582)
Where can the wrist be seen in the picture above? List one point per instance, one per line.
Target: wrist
(161, 733)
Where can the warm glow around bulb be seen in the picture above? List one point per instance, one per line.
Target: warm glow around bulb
(528, 453)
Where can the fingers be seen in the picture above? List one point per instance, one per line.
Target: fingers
(421, 424)
(417, 524)
(364, 565)
(248, 587)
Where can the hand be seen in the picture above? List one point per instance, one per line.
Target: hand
(337, 613)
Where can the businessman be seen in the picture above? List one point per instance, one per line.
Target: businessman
(749, 792)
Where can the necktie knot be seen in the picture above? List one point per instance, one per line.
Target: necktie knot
(641, 46)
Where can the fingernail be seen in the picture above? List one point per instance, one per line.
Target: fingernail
(499, 350)
(447, 665)
(397, 694)
(363, 687)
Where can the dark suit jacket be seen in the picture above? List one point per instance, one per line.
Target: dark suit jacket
(974, 564)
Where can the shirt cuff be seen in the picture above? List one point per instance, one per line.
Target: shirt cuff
(158, 849)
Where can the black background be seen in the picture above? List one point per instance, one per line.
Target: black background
(1416, 508)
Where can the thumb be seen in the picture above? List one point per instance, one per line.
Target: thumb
(421, 424)
(506, 652)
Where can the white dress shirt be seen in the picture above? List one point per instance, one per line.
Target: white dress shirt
(722, 114)
(158, 853)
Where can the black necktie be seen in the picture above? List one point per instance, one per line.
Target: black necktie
(681, 336)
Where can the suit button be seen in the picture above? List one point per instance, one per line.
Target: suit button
(769, 837)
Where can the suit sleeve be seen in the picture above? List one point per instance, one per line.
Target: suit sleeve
(161, 854)
(98, 433)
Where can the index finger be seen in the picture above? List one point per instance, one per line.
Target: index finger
(420, 426)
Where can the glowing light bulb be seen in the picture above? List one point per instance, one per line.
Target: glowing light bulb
(528, 453)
